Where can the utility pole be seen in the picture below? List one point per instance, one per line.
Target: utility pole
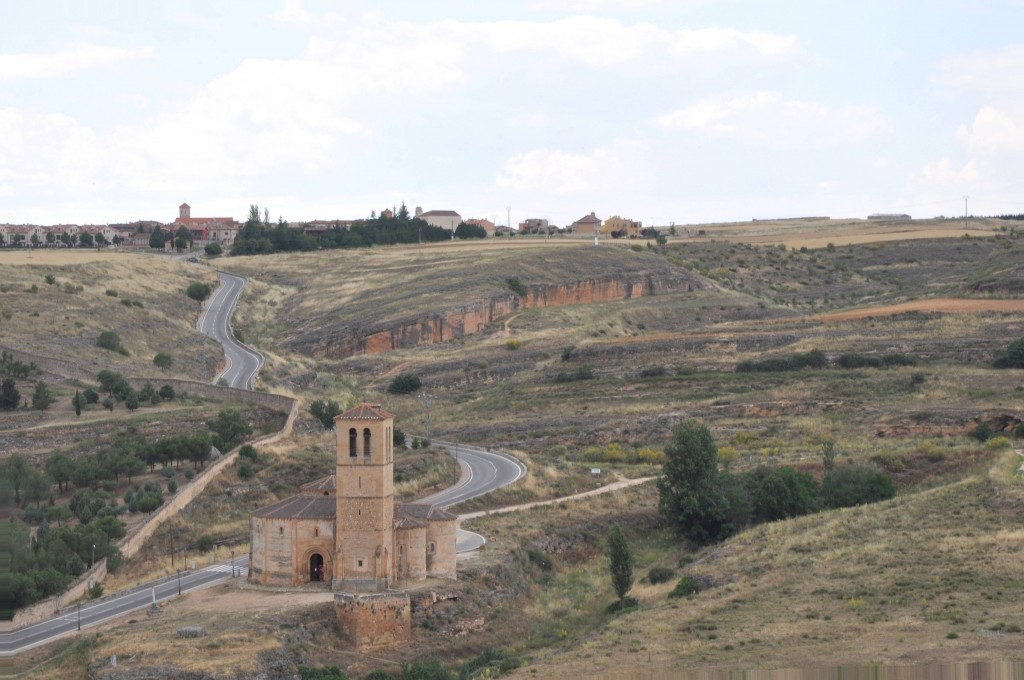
(965, 210)
(508, 208)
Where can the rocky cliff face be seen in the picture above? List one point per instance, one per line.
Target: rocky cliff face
(472, 317)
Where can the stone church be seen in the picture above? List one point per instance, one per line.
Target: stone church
(346, 529)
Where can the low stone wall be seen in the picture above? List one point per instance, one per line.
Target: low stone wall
(44, 609)
(133, 542)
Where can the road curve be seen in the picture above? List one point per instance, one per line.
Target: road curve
(241, 362)
(483, 471)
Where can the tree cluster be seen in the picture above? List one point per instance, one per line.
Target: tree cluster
(708, 505)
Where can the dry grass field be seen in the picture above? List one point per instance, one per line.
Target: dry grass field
(928, 576)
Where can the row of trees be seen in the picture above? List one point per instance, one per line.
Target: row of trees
(180, 239)
(258, 236)
(84, 239)
(709, 505)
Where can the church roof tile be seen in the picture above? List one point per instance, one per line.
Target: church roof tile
(365, 412)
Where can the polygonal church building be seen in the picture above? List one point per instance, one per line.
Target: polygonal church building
(346, 529)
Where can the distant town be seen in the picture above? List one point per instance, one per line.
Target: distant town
(223, 230)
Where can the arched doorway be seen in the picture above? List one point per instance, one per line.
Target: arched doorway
(316, 567)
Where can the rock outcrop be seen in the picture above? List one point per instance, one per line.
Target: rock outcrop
(472, 317)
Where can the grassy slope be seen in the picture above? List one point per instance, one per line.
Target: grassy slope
(65, 325)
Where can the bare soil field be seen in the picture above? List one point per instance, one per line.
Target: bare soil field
(942, 305)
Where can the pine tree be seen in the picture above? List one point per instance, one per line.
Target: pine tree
(621, 562)
(78, 403)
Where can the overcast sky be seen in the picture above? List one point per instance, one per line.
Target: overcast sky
(682, 111)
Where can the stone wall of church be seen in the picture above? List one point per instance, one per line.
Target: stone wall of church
(441, 549)
(411, 553)
(280, 550)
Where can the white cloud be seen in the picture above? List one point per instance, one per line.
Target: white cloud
(553, 171)
(74, 59)
(767, 118)
(995, 72)
(994, 132)
(292, 12)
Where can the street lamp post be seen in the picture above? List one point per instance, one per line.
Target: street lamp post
(93, 560)
(232, 564)
(79, 616)
(179, 582)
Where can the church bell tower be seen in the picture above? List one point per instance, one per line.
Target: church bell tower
(364, 530)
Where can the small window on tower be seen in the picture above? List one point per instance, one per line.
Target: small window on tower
(280, 530)
(360, 562)
(432, 548)
(316, 532)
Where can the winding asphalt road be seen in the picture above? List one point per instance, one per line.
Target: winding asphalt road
(242, 363)
(483, 471)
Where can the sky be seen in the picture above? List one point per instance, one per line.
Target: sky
(663, 111)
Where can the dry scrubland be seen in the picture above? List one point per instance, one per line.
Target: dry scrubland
(931, 575)
(63, 320)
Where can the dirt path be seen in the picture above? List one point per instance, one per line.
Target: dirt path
(508, 331)
(614, 486)
(944, 305)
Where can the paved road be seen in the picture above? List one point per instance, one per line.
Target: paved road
(242, 362)
(483, 471)
(93, 613)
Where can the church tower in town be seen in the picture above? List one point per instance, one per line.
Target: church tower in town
(365, 522)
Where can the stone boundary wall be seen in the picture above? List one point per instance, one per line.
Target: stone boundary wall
(132, 543)
(136, 538)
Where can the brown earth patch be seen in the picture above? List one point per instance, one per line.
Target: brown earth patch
(943, 305)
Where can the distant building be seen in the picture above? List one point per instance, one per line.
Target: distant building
(534, 225)
(221, 230)
(446, 219)
(588, 225)
(484, 224)
(622, 226)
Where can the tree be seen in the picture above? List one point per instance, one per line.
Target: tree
(199, 291)
(86, 239)
(157, 239)
(77, 402)
(16, 470)
(213, 249)
(59, 466)
(620, 562)
(101, 240)
(37, 487)
(42, 398)
(465, 231)
(163, 360)
(91, 396)
(167, 393)
(10, 397)
(405, 383)
(1013, 356)
(182, 238)
(689, 493)
(131, 401)
(229, 429)
(324, 411)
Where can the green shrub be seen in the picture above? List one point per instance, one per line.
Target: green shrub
(96, 591)
(982, 432)
(684, 588)
(1012, 357)
(513, 344)
(567, 352)
(111, 292)
(542, 560)
(851, 485)
(583, 372)
(405, 383)
(190, 473)
(172, 486)
(245, 470)
(660, 574)
(248, 452)
(213, 249)
(653, 372)
(517, 287)
(163, 360)
(789, 362)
